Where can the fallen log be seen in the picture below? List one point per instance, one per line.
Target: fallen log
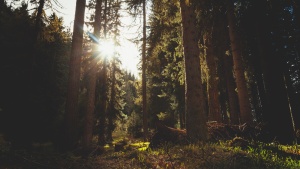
(166, 135)
(216, 131)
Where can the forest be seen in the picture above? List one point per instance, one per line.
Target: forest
(218, 85)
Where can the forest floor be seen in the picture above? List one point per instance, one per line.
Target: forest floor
(135, 154)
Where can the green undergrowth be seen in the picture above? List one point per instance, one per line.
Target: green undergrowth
(136, 154)
(222, 155)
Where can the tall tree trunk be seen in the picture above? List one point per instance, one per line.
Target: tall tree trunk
(276, 112)
(214, 108)
(232, 95)
(33, 70)
(296, 108)
(277, 109)
(290, 94)
(220, 35)
(113, 94)
(144, 87)
(36, 36)
(243, 96)
(181, 108)
(258, 89)
(112, 102)
(2, 2)
(296, 97)
(102, 105)
(37, 29)
(110, 129)
(196, 117)
(92, 78)
(71, 134)
(101, 134)
(38, 19)
(296, 9)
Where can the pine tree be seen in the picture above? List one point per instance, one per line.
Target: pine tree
(92, 75)
(196, 117)
(71, 134)
(244, 102)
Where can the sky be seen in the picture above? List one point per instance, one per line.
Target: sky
(129, 52)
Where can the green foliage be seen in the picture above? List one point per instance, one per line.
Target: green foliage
(134, 124)
(200, 155)
(219, 155)
(130, 95)
(165, 68)
(275, 156)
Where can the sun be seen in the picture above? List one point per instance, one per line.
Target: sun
(129, 57)
(106, 48)
(126, 52)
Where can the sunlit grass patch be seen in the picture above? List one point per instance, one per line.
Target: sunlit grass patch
(141, 146)
(294, 149)
(107, 146)
(117, 140)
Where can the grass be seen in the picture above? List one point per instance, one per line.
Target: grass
(137, 155)
(141, 146)
(221, 155)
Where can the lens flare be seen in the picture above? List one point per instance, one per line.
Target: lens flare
(106, 48)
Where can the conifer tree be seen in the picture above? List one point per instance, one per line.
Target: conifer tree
(92, 75)
(244, 102)
(196, 117)
(71, 134)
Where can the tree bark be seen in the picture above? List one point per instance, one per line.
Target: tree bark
(71, 134)
(296, 8)
(277, 111)
(181, 101)
(243, 96)
(232, 95)
(92, 78)
(38, 19)
(101, 134)
(144, 88)
(36, 36)
(214, 108)
(2, 2)
(196, 116)
(112, 102)
(103, 105)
